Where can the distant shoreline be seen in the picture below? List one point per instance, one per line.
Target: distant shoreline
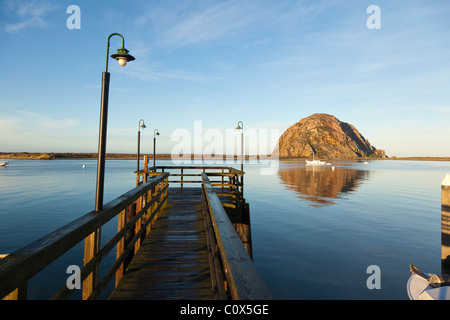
(130, 156)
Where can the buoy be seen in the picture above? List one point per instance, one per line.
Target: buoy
(84, 166)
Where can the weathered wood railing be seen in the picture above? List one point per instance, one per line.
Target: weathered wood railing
(229, 187)
(228, 184)
(136, 210)
(234, 275)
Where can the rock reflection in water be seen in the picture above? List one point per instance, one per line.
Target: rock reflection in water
(321, 184)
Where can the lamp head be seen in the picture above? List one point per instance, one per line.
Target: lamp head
(122, 56)
(143, 126)
(239, 127)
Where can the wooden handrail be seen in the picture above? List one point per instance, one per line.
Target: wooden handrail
(243, 280)
(233, 187)
(21, 265)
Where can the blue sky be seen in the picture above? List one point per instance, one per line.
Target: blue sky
(266, 63)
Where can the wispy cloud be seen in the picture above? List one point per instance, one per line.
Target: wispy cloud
(24, 130)
(145, 68)
(21, 120)
(174, 25)
(213, 23)
(28, 14)
(145, 71)
(183, 24)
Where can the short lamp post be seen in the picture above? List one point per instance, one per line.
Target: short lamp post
(155, 133)
(122, 57)
(143, 126)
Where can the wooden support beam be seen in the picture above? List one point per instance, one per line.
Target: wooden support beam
(445, 225)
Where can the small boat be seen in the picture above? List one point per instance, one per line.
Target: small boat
(3, 163)
(314, 162)
(427, 287)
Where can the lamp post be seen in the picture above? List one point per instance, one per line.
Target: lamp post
(240, 126)
(92, 242)
(155, 133)
(122, 57)
(143, 126)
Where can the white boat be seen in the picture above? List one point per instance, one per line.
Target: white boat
(427, 287)
(315, 162)
(3, 163)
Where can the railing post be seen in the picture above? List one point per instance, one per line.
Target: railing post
(242, 185)
(19, 294)
(130, 212)
(243, 228)
(445, 225)
(149, 211)
(120, 245)
(138, 224)
(91, 248)
(181, 178)
(144, 180)
(166, 194)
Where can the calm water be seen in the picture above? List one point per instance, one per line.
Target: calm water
(315, 230)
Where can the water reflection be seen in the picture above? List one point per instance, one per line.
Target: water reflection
(321, 184)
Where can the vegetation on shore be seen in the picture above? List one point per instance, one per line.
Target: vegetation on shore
(70, 155)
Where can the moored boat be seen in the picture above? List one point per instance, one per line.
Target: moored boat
(427, 287)
(316, 162)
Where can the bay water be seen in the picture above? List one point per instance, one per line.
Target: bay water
(316, 230)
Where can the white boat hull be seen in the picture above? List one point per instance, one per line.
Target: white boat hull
(419, 289)
(3, 163)
(315, 162)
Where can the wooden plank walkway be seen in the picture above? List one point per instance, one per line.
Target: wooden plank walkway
(172, 262)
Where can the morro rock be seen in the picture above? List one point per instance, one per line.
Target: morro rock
(327, 137)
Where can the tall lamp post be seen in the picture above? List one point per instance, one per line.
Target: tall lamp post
(240, 126)
(92, 242)
(155, 133)
(143, 126)
(122, 57)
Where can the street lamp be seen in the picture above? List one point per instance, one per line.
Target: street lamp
(122, 57)
(155, 133)
(240, 126)
(143, 126)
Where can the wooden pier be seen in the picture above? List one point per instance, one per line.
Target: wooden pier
(189, 241)
(173, 262)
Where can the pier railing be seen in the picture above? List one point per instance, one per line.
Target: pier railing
(228, 182)
(233, 272)
(226, 221)
(136, 210)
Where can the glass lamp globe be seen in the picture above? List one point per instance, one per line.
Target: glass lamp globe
(122, 61)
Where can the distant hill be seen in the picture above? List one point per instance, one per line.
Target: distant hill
(328, 137)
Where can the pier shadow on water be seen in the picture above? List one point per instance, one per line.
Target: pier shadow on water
(321, 185)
